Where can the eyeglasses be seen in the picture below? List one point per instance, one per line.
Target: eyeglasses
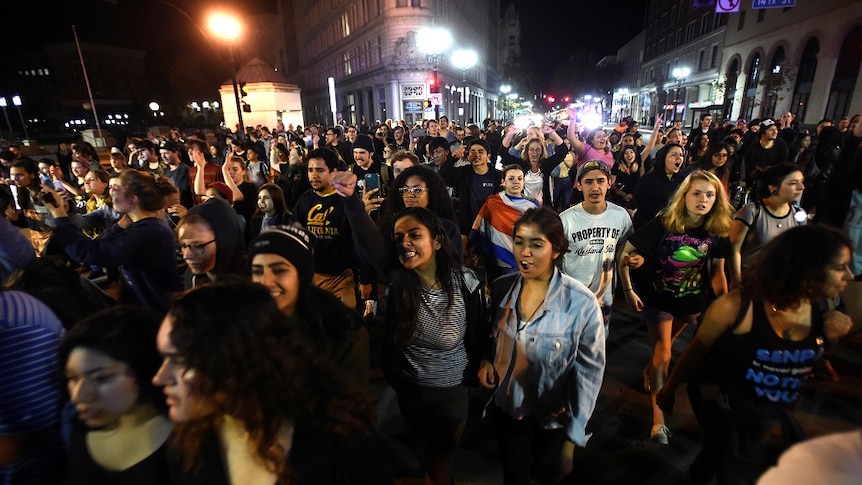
(413, 191)
(720, 155)
(380, 133)
(534, 150)
(195, 248)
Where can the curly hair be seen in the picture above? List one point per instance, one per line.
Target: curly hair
(252, 366)
(405, 289)
(549, 224)
(717, 221)
(126, 334)
(793, 266)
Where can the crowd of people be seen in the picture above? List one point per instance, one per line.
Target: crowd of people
(210, 301)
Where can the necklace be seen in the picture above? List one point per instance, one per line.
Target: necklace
(787, 332)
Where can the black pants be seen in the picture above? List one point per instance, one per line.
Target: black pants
(436, 417)
(526, 446)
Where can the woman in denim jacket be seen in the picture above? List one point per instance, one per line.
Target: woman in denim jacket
(549, 358)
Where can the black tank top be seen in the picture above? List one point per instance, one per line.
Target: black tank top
(766, 369)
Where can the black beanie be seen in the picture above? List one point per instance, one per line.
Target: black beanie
(293, 243)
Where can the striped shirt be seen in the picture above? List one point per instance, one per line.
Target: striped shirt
(436, 356)
(29, 391)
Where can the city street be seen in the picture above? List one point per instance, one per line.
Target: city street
(620, 451)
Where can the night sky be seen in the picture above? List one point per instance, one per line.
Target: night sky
(551, 29)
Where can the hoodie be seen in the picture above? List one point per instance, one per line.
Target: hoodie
(230, 243)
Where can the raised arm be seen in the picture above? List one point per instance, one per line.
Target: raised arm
(653, 139)
(572, 134)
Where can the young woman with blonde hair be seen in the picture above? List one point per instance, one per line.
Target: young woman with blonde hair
(682, 249)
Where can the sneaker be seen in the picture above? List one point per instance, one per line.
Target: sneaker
(660, 434)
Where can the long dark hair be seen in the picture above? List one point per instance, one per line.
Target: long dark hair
(405, 289)
(126, 334)
(705, 162)
(793, 265)
(251, 364)
(277, 196)
(439, 201)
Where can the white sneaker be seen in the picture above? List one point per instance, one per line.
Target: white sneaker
(660, 434)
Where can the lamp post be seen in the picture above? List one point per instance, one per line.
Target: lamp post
(464, 59)
(229, 29)
(434, 42)
(680, 73)
(16, 100)
(504, 90)
(154, 107)
(4, 104)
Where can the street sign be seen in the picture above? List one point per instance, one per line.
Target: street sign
(437, 99)
(773, 3)
(727, 6)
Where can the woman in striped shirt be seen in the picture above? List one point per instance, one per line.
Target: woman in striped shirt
(437, 327)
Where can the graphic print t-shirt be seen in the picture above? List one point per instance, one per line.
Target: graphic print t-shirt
(675, 276)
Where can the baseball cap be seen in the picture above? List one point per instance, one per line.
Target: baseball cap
(593, 165)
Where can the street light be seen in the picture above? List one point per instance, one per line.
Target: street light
(154, 107)
(680, 73)
(433, 42)
(229, 29)
(464, 59)
(3, 105)
(16, 100)
(505, 89)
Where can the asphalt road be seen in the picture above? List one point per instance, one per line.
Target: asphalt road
(620, 451)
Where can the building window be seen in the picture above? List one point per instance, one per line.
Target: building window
(741, 23)
(805, 79)
(713, 63)
(689, 31)
(348, 68)
(415, 3)
(704, 24)
(846, 72)
(400, 3)
(761, 15)
(750, 91)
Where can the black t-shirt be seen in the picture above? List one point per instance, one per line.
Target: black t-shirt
(482, 187)
(675, 276)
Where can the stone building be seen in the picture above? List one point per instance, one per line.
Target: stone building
(370, 49)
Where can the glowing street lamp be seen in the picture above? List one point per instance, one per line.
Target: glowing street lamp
(154, 107)
(229, 28)
(434, 42)
(464, 59)
(680, 74)
(16, 100)
(4, 104)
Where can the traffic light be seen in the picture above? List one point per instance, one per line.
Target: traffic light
(242, 92)
(426, 103)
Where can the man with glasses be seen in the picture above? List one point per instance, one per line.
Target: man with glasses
(596, 231)
(332, 136)
(210, 242)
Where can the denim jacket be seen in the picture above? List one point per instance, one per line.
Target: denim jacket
(551, 369)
